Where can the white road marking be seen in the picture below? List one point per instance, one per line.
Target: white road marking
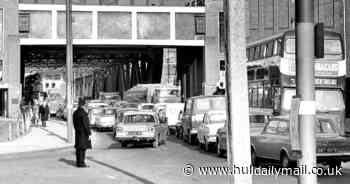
(111, 177)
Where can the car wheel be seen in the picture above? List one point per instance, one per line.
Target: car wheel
(124, 144)
(284, 160)
(219, 150)
(335, 164)
(253, 157)
(206, 145)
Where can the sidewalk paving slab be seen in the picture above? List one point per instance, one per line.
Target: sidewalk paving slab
(53, 136)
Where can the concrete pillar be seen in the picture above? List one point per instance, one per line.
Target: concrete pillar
(212, 51)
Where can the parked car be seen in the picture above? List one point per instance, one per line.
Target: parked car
(273, 143)
(107, 119)
(141, 126)
(212, 121)
(195, 108)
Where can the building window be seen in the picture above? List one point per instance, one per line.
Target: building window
(24, 22)
(222, 31)
(199, 25)
(1, 29)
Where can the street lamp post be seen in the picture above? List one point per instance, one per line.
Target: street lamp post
(238, 133)
(69, 63)
(305, 87)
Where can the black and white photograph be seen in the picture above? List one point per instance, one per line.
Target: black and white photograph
(175, 91)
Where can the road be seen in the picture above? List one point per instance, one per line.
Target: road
(109, 163)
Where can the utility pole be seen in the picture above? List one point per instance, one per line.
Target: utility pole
(305, 50)
(69, 63)
(238, 131)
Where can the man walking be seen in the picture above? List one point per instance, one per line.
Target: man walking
(82, 133)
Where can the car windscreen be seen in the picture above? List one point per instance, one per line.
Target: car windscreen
(206, 104)
(217, 118)
(324, 126)
(326, 100)
(139, 118)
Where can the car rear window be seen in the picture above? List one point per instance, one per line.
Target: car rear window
(139, 118)
(324, 126)
(205, 104)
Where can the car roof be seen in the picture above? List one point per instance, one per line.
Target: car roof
(210, 96)
(139, 112)
(216, 112)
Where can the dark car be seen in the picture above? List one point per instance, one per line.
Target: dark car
(274, 143)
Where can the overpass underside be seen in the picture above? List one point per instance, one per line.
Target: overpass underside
(117, 68)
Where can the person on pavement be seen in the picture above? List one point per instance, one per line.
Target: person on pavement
(82, 133)
(35, 107)
(44, 112)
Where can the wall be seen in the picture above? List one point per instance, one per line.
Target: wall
(212, 48)
(10, 56)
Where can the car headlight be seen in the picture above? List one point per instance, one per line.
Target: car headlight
(119, 129)
(150, 129)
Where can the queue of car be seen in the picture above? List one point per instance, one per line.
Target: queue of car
(203, 121)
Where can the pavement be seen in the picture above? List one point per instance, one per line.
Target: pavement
(53, 136)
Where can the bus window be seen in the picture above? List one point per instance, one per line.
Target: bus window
(290, 45)
(262, 50)
(255, 97)
(332, 47)
(257, 52)
(261, 73)
(260, 96)
(278, 47)
(251, 74)
(251, 53)
(250, 99)
(269, 50)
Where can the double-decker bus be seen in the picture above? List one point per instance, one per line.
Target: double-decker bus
(271, 77)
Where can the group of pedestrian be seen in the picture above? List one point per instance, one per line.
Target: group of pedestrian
(40, 111)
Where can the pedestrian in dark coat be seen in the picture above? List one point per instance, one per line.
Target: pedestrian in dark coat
(82, 133)
(44, 113)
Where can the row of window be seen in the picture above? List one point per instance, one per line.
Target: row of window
(265, 50)
(261, 96)
(121, 2)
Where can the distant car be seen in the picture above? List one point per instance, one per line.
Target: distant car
(195, 108)
(146, 106)
(106, 120)
(94, 113)
(141, 126)
(212, 121)
(119, 117)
